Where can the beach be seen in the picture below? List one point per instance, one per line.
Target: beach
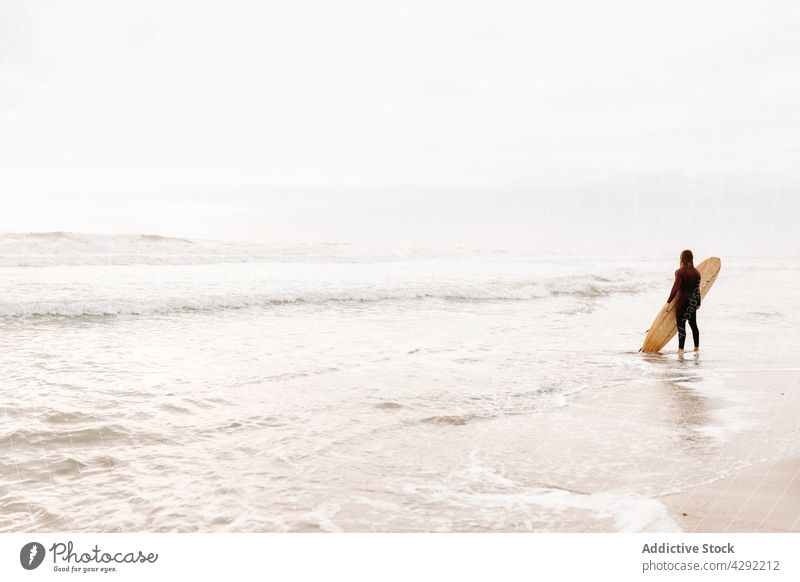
(761, 498)
(157, 384)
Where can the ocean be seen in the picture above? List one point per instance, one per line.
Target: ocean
(163, 384)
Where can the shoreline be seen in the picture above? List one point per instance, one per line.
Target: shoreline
(762, 498)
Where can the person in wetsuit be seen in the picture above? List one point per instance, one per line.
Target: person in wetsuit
(687, 290)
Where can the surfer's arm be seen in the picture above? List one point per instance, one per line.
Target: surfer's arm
(675, 287)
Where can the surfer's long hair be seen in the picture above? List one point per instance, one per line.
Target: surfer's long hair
(687, 259)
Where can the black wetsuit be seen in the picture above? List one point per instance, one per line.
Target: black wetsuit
(687, 290)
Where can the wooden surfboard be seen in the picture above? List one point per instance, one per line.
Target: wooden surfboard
(664, 326)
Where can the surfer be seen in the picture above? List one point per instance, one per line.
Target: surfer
(687, 290)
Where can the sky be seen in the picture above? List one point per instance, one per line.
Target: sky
(568, 125)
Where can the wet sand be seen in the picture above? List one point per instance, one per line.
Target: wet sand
(761, 498)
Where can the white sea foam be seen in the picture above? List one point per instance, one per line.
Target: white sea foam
(625, 511)
(78, 306)
(71, 275)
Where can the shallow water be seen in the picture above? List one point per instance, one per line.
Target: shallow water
(318, 389)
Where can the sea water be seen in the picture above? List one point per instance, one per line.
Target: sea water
(157, 384)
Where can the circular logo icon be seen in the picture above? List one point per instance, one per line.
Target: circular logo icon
(31, 555)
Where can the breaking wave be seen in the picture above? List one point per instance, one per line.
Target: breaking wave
(153, 306)
(40, 249)
(60, 274)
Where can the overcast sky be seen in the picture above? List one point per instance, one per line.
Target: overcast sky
(190, 117)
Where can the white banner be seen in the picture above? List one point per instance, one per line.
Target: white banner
(374, 557)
